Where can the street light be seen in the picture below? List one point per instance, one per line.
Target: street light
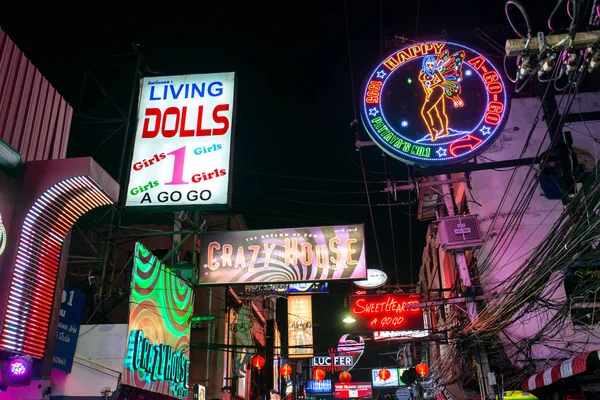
(349, 320)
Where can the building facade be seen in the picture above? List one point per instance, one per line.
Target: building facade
(533, 317)
(42, 195)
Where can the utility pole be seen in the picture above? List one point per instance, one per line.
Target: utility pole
(485, 377)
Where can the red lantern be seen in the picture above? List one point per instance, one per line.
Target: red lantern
(422, 369)
(345, 377)
(285, 370)
(258, 362)
(384, 374)
(318, 375)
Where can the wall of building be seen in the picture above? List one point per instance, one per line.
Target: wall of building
(208, 372)
(98, 365)
(489, 186)
(98, 362)
(34, 119)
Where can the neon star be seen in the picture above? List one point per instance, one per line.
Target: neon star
(441, 152)
(381, 74)
(373, 112)
(404, 123)
(485, 130)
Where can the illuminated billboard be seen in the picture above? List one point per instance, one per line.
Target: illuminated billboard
(309, 287)
(434, 103)
(183, 141)
(161, 306)
(282, 289)
(319, 387)
(387, 312)
(392, 381)
(350, 349)
(300, 327)
(354, 390)
(313, 254)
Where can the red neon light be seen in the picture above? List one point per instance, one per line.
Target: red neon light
(373, 91)
(386, 311)
(388, 306)
(493, 85)
(31, 293)
(469, 142)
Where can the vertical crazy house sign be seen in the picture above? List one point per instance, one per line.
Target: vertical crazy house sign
(161, 306)
(182, 149)
(435, 103)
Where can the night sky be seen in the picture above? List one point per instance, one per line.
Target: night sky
(295, 163)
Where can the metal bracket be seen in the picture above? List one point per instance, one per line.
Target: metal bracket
(541, 42)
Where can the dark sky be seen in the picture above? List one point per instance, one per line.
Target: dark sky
(294, 163)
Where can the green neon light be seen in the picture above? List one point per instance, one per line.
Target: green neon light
(201, 318)
(386, 134)
(159, 322)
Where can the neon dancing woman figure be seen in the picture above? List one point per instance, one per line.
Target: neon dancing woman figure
(440, 76)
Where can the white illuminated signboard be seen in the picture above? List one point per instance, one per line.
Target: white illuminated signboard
(183, 140)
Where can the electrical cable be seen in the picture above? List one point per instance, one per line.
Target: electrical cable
(371, 212)
(304, 177)
(410, 245)
(524, 279)
(531, 187)
(336, 204)
(520, 7)
(506, 72)
(350, 59)
(381, 41)
(554, 11)
(391, 222)
(417, 18)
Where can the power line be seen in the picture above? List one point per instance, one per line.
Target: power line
(302, 177)
(391, 222)
(350, 59)
(371, 211)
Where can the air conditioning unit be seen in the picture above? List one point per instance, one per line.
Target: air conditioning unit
(460, 233)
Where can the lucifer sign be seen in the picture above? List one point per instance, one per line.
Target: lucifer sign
(387, 312)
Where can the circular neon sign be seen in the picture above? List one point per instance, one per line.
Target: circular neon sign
(435, 103)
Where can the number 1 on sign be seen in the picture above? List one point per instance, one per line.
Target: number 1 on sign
(178, 163)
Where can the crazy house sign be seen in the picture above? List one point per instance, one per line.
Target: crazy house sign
(161, 306)
(311, 254)
(434, 103)
(182, 149)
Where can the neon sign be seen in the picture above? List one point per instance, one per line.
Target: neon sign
(344, 358)
(434, 103)
(32, 289)
(2, 237)
(387, 312)
(161, 307)
(375, 278)
(159, 362)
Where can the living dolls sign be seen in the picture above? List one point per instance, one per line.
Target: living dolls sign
(183, 142)
(434, 103)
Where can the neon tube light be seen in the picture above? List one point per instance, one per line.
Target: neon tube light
(33, 283)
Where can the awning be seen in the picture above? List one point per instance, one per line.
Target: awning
(572, 366)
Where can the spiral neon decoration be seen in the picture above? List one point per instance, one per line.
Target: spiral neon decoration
(161, 306)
